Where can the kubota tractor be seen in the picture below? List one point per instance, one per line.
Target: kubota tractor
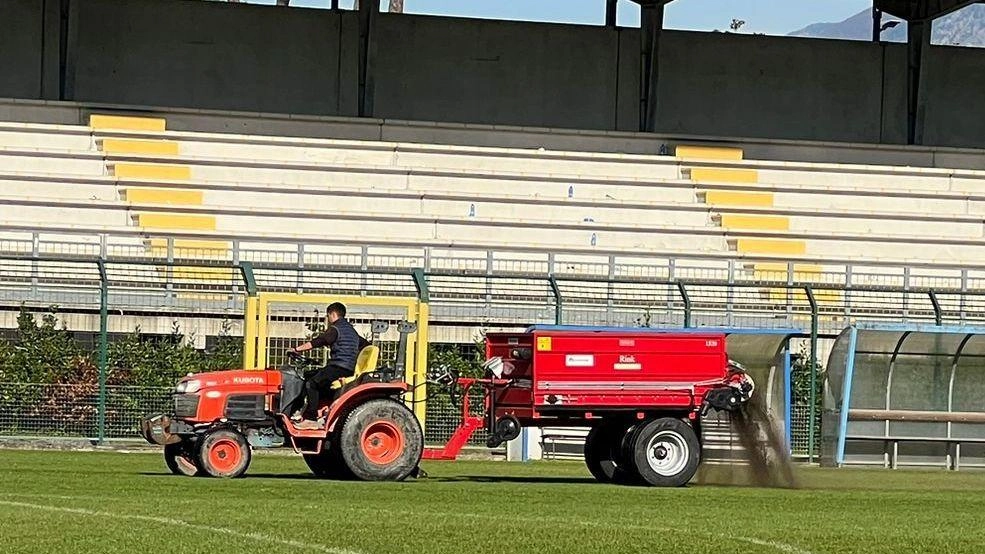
(368, 432)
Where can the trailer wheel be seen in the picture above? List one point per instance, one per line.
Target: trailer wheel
(666, 452)
(224, 453)
(180, 461)
(603, 454)
(381, 440)
(328, 464)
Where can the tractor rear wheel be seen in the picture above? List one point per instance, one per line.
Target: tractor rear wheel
(603, 453)
(180, 460)
(666, 452)
(224, 453)
(328, 464)
(381, 440)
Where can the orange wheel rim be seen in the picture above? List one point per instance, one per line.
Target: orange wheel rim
(382, 442)
(225, 455)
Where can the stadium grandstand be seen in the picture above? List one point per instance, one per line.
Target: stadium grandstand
(534, 172)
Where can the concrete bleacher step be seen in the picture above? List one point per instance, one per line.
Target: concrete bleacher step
(116, 147)
(407, 155)
(69, 164)
(148, 163)
(44, 138)
(53, 214)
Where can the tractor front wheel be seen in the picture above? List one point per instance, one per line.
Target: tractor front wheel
(381, 440)
(180, 461)
(224, 453)
(666, 452)
(603, 453)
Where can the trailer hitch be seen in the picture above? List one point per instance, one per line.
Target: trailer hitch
(736, 391)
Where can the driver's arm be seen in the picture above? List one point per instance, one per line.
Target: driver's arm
(327, 338)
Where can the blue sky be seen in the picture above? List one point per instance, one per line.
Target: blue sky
(774, 17)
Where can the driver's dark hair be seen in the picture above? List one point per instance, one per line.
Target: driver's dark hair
(336, 307)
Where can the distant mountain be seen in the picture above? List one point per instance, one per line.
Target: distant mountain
(965, 27)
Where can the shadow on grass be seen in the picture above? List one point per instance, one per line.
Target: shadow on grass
(545, 480)
(292, 476)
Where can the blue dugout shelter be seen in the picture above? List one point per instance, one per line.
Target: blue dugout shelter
(898, 395)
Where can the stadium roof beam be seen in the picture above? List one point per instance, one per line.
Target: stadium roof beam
(919, 15)
(651, 27)
(610, 12)
(921, 10)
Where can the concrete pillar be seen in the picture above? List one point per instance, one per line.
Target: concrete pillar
(651, 22)
(368, 11)
(918, 43)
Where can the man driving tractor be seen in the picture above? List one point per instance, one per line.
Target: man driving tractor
(344, 344)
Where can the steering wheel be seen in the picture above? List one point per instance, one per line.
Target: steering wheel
(301, 360)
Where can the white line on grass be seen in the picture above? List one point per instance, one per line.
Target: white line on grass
(779, 546)
(259, 537)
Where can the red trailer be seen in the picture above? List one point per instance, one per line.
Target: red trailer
(641, 392)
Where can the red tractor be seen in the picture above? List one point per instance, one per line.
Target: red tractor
(368, 432)
(641, 392)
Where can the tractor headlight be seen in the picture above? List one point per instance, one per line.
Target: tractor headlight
(188, 387)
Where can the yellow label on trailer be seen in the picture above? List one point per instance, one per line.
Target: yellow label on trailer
(543, 344)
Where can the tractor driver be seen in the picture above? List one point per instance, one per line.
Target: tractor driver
(344, 344)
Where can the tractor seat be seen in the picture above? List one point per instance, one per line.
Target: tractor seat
(365, 363)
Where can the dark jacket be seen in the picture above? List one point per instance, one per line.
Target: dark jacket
(344, 342)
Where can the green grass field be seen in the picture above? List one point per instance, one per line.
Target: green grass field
(90, 502)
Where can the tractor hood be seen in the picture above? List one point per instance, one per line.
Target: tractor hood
(229, 379)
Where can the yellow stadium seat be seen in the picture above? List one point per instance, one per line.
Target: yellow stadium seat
(708, 152)
(724, 175)
(126, 123)
(135, 146)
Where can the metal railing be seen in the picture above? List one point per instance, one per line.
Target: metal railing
(491, 289)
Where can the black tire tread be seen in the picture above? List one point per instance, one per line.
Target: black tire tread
(181, 449)
(603, 455)
(205, 442)
(637, 447)
(351, 431)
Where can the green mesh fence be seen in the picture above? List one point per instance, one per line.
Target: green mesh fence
(29, 409)
(71, 411)
(799, 429)
(468, 289)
